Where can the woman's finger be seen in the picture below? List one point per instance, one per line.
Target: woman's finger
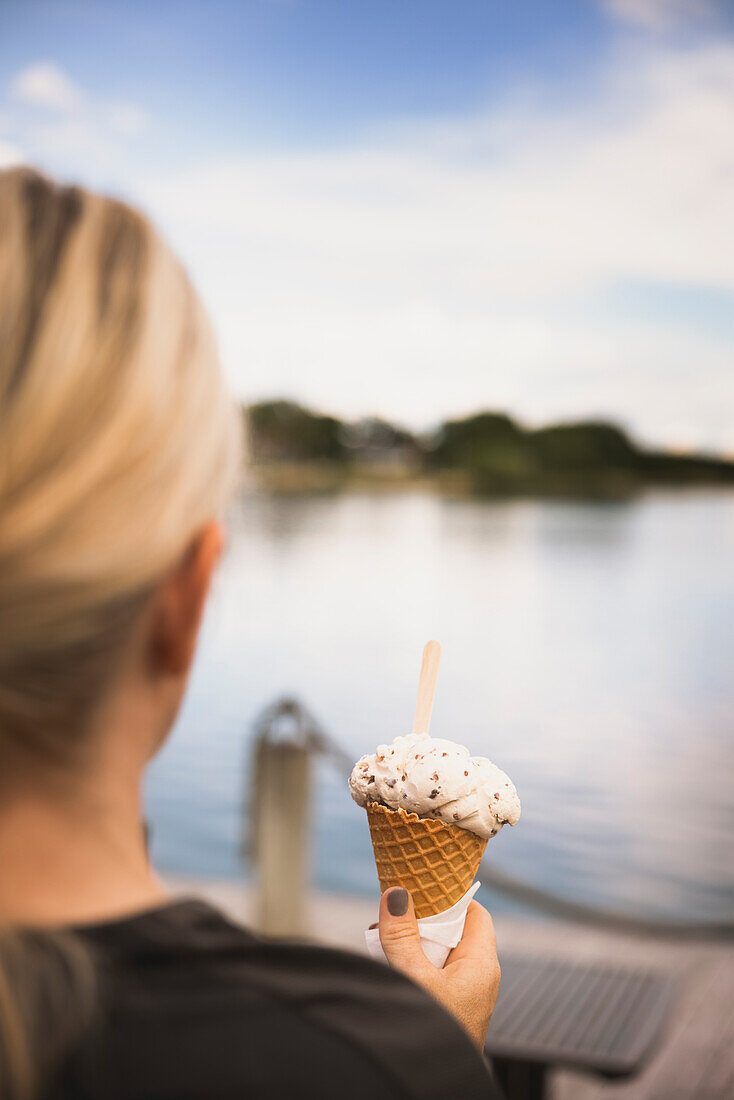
(399, 933)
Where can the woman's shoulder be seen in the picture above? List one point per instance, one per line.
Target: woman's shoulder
(186, 991)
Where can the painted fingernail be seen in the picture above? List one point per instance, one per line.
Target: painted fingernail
(397, 902)
(374, 926)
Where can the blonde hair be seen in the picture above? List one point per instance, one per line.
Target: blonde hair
(118, 440)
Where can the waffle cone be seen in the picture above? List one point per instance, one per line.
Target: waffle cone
(436, 862)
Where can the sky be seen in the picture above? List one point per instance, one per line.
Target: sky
(419, 208)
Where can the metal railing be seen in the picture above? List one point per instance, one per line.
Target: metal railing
(286, 738)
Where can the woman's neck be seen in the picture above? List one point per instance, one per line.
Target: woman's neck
(74, 852)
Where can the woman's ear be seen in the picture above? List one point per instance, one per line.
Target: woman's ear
(179, 603)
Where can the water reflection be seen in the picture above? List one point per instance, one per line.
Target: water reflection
(587, 649)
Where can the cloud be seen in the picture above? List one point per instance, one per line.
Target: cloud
(468, 263)
(126, 118)
(46, 85)
(439, 265)
(10, 155)
(61, 122)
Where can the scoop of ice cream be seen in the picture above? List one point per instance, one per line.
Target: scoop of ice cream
(435, 778)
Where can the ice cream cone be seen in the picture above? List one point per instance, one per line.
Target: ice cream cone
(436, 862)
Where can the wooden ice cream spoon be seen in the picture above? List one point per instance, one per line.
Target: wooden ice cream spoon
(427, 687)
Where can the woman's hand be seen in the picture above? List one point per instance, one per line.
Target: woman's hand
(468, 984)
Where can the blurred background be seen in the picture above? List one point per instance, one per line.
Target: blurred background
(471, 269)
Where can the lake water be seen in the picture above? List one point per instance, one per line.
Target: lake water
(587, 649)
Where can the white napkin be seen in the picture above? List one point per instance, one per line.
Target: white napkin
(439, 933)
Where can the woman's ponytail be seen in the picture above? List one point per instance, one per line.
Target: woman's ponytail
(47, 998)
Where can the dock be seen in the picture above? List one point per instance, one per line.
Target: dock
(694, 1061)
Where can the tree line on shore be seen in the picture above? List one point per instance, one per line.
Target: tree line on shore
(490, 451)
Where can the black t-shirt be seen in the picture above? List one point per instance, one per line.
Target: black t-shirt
(190, 1005)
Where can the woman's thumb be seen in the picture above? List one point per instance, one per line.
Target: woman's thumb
(399, 933)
